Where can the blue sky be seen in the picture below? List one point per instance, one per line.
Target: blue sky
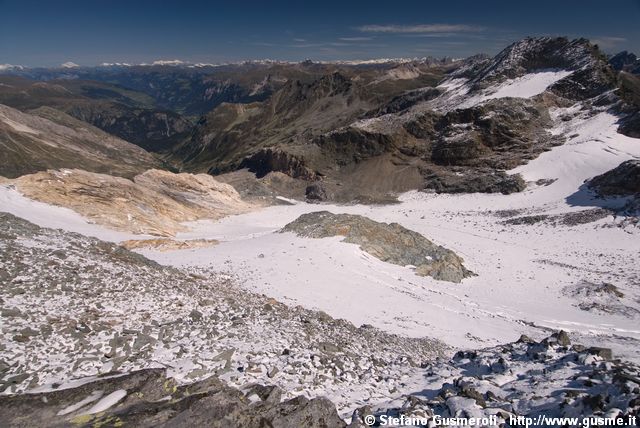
(46, 33)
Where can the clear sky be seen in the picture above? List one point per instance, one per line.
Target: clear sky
(89, 32)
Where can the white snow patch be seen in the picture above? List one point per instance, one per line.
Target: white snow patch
(521, 270)
(528, 85)
(80, 404)
(106, 402)
(45, 215)
(457, 90)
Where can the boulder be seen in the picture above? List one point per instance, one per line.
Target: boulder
(624, 180)
(316, 192)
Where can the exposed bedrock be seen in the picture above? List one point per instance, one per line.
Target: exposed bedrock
(390, 243)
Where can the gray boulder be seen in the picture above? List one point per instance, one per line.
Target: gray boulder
(624, 180)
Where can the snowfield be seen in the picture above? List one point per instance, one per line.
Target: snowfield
(46, 215)
(458, 91)
(528, 85)
(525, 271)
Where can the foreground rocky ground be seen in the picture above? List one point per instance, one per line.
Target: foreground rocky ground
(147, 398)
(211, 353)
(549, 378)
(74, 306)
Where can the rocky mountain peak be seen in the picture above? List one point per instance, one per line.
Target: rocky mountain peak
(591, 73)
(325, 86)
(539, 53)
(625, 61)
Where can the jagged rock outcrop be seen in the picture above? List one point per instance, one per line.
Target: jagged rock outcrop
(48, 138)
(406, 100)
(501, 133)
(471, 180)
(625, 61)
(349, 145)
(147, 398)
(155, 202)
(315, 192)
(623, 180)
(273, 160)
(592, 74)
(629, 92)
(630, 125)
(390, 243)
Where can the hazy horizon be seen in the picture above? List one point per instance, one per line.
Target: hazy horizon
(41, 34)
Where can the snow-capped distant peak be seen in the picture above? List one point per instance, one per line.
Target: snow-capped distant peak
(167, 62)
(4, 67)
(115, 64)
(69, 64)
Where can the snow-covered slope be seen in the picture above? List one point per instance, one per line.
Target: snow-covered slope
(55, 217)
(459, 92)
(524, 270)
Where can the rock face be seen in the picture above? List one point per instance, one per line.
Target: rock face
(271, 160)
(390, 243)
(498, 134)
(625, 61)
(155, 202)
(49, 138)
(624, 180)
(315, 192)
(153, 130)
(476, 180)
(147, 398)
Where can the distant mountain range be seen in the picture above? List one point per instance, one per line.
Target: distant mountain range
(445, 125)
